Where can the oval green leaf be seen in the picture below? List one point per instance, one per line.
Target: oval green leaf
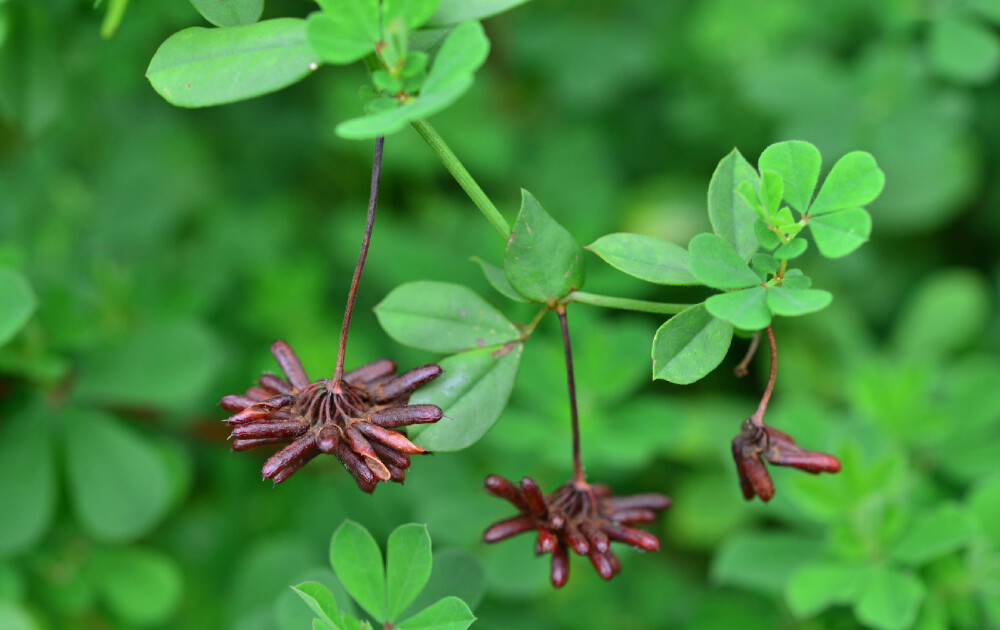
(28, 491)
(964, 49)
(798, 163)
(201, 67)
(495, 276)
(17, 303)
(645, 257)
(934, 533)
(344, 31)
(816, 586)
(408, 567)
(690, 345)
(141, 586)
(357, 561)
(854, 181)
(746, 309)
(321, 602)
(890, 599)
(792, 249)
(472, 391)
(449, 613)
(792, 302)
(118, 483)
(442, 317)
(230, 12)
(543, 262)
(413, 13)
(731, 216)
(165, 366)
(716, 264)
(841, 233)
(960, 297)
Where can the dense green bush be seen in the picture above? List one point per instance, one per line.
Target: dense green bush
(149, 255)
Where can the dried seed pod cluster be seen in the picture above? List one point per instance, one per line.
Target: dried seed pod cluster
(357, 420)
(757, 441)
(577, 516)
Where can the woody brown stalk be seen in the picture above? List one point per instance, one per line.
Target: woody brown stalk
(338, 373)
(578, 476)
(758, 416)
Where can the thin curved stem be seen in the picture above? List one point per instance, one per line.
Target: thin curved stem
(758, 416)
(462, 176)
(338, 372)
(742, 368)
(644, 306)
(578, 477)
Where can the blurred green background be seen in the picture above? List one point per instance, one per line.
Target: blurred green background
(168, 247)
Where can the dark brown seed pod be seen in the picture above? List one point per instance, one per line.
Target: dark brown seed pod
(355, 419)
(577, 516)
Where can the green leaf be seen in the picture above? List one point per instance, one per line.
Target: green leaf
(472, 392)
(498, 280)
(814, 587)
(13, 616)
(792, 249)
(320, 600)
(413, 13)
(463, 51)
(319, 624)
(716, 264)
(408, 566)
(343, 32)
(230, 12)
(762, 562)
(28, 493)
(795, 279)
(118, 482)
(792, 302)
(765, 235)
(798, 163)
(964, 49)
(690, 345)
(841, 233)
(17, 303)
(168, 365)
(731, 216)
(890, 599)
(933, 533)
(461, 54)
(989, 9)
(542, 262)
(201, 67)
(357, 561)
(764, 263)
(442, 317)
(458, 11)
(746, 309)
(645, 257)
(984, 505)
(456, 572)
(449, 613)
(141, 586)
(771, 191)
(960, 297)
(854, 181)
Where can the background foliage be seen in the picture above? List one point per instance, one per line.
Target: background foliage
(153, 253)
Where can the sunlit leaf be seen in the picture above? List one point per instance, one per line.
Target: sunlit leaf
(715, 263)
(854, 181)
(543, 262)
(230, 12)
(357, 561)
(798, 163)
(731, 216)
(408, 566)
(645, 257)
(746, 309)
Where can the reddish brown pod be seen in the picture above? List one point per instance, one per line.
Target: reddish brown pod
(360, 420)
(578, 516)
(758, 443)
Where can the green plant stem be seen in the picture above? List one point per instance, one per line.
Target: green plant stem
(607, 301)
(462, 176)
